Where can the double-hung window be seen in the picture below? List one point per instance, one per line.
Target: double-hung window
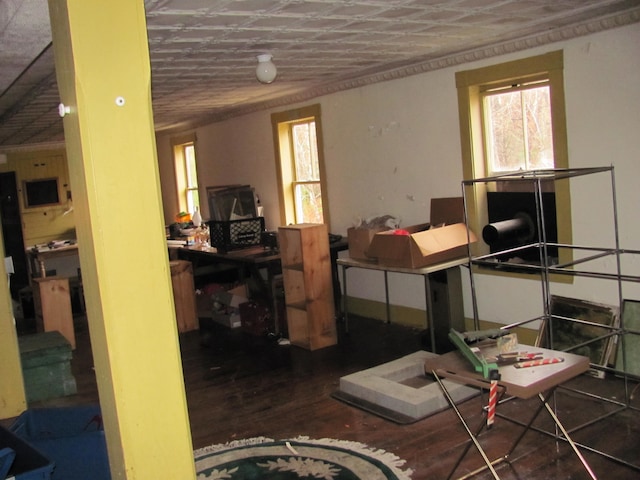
(512, 118)
(184, 153)
(300, 166)
(517, 126)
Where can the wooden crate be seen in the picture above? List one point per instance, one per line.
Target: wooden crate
(184, 295)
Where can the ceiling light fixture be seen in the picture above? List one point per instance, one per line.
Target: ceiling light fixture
(266, 71)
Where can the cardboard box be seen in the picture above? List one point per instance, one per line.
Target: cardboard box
(231, 298)
(222, 305)
(446, 211)
(444, 238)
(359, 240)
(423, 246)
(231, 320)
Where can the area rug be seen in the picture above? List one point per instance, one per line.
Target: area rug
(299, 458)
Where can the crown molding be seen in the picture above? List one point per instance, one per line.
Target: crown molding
(489, 51)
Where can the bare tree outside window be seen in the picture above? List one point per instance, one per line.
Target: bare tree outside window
(193, 197)
(184, 160)
(300, 165)
(306, 184)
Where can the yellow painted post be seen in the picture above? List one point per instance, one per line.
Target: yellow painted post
(103, 73)
(13, 399)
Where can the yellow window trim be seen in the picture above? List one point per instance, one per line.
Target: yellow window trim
(470, 84)
(280, 123)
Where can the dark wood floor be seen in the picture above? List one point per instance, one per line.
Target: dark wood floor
(239, 386)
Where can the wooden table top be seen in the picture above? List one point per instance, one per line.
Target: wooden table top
(44, 251)
(373, 265)
(519, 382)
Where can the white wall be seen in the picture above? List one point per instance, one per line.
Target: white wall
(392, 146)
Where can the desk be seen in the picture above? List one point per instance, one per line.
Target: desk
(426, 272)
(248, 262)
(251, 262)
(522, 383)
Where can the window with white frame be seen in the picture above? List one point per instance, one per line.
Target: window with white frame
(517, 127)
(512, 116)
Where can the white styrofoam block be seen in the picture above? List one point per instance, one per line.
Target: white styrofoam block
(382, 385)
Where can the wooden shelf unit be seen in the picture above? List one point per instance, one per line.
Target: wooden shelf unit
(308, 287)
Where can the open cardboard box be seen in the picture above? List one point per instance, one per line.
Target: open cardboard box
(359, 240)
(226, 306)
(444, 238)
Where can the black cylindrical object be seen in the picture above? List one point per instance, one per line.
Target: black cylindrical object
(518, 229)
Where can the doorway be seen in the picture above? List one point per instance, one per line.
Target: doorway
(12, 231)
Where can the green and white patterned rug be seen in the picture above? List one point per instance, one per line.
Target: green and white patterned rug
(299, 458)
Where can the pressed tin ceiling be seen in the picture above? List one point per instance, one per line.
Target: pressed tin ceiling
(203, 52)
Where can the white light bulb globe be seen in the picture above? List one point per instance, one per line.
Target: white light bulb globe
(266, 71)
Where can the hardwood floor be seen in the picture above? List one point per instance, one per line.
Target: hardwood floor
(241, 386)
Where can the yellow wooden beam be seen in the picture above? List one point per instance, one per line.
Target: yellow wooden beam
(103, 73)
(12, 395)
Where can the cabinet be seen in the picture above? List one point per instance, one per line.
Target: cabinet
(52, 304)
(184, 295)
(308, 287)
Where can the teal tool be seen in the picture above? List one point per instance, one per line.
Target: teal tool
(489, 370)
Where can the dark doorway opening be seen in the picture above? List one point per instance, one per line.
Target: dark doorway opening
(12, 231)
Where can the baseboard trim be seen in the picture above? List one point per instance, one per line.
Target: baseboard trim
(415, 317)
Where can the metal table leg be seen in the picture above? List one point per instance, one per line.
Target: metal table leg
(429, 311)
(472, 436)
(386, 296)
(345, 310)
(489, 464)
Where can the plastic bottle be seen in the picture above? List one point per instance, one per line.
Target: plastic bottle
(260, 210)
(196, 218)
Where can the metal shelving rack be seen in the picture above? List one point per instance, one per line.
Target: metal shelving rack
(577, 263)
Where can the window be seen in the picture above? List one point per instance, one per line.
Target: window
(307, 192)
(517, 127)
(184, 152)
(512, 117)
(300, 165)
